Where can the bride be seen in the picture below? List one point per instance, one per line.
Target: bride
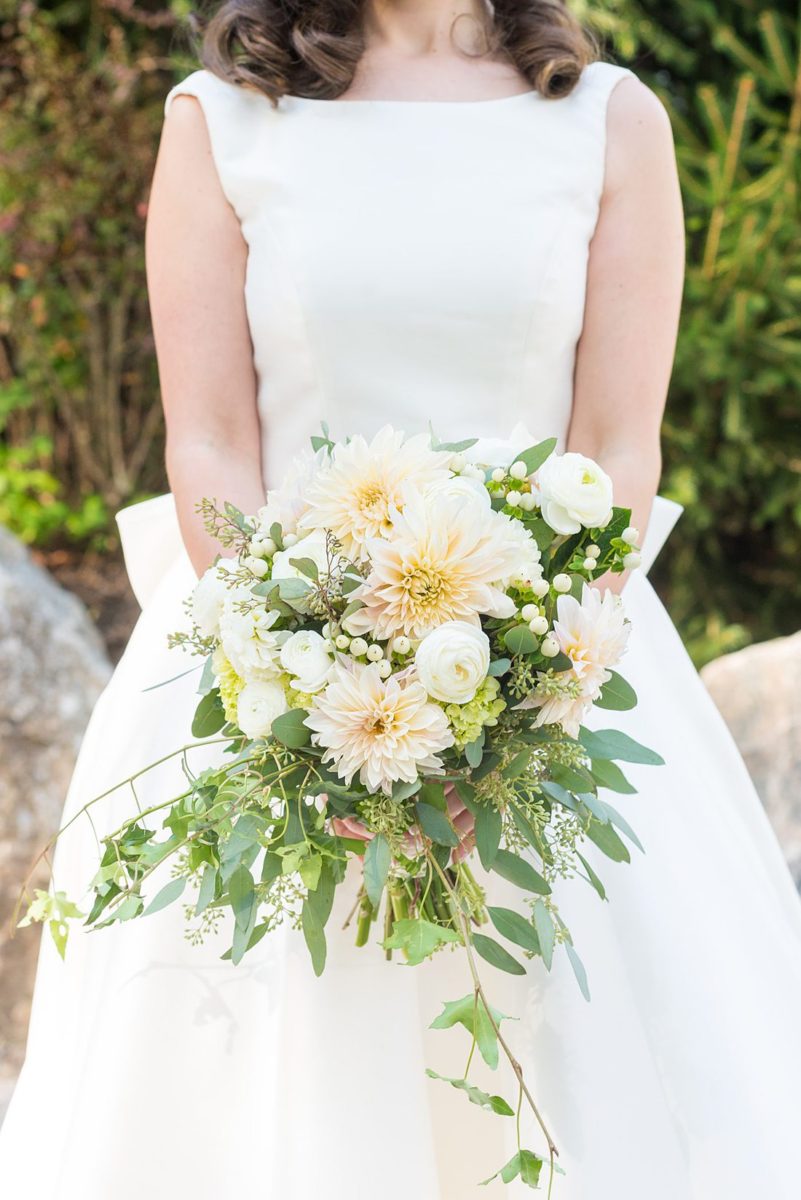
(373, 211)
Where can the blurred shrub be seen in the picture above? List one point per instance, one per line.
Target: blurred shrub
(81, 92)
(730, 74)
(82, 84)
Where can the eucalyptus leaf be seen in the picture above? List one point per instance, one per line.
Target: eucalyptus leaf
(578, 970)
(617, 694)
(488, 829)
(543, 923)
(314, 936)
(520, 640)
(435, 825)
(493, 953)
(611, 743)
(242, 895)
(514, 926)
(500, 666)
(592, 876)
(535, 456)
(307, 567)
(474, 751)
(209, 717)
(377, 859)
(521, 873)
(607, 840)
(207, 890)
(290, 729)
(168, 894)
(609, 775)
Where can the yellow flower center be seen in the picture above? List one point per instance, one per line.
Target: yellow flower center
(381, 722)
(424, 586)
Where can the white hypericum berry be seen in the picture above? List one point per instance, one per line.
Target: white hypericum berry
(498, 475)
(527, 501)
(358, 647)
(538, 625)
(518, 470)
(401, 645)
(289, 540)
(374, 653)
(326, 630)
(457, 463)
(513, 499)
(342, 641)
(540, 587)
(257, 566)
(550, 647)
(593, 551)
(631, 535)
(632, 561)
(529, 612)
(589, 564)
(562, 583)
(384, 668)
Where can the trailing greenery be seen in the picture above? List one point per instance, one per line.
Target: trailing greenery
(81, 90)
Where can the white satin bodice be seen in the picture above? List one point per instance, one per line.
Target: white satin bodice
(412, 261)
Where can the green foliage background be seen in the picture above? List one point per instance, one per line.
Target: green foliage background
(82, 84)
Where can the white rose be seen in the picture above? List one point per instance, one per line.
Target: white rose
(305, 656)
(248, 640)
(258, 705)
(312, 546)
(452, 661)
(208, 599)
(461, 488)
(574, 492)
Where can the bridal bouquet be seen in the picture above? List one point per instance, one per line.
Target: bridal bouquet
(400, 651)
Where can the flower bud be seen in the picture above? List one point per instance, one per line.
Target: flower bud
(457, 463)
(518, 470)
(498, 475)
(257, 566)
(374, 653)
(540, 587)
(401, 645)
(513, 499)
(538, 625)
(631, 535)
(385, 668)
(529, 612)
(358, 647)
(589, 564)
(342, 641)
(593, 551)
(528, 501)
(632, 561)
(562, 583)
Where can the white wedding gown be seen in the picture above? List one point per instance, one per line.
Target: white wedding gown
(413, 262)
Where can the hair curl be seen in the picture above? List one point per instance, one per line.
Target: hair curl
(312, 47)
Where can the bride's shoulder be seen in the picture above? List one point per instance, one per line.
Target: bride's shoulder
(638, 130)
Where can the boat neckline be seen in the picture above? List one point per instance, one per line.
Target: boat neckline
(316, 102)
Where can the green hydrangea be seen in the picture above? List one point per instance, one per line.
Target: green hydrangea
(230, 685)
(467, 720)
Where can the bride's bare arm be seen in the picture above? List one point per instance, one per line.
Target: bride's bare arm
(196, 258)
(634, 289)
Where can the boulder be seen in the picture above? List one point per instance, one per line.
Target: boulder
(758, 691)
(53, 666)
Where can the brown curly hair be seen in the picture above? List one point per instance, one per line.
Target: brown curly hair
(312, 47)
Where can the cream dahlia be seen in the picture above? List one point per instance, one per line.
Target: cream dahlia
(444, 562)
(357, 496)
(384, 729)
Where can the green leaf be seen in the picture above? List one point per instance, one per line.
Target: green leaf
(207, 890)
(543, 923)
(611, 743)
(493, 953)
(535, 456)
(306, 566)
(525, 1164)
(241, 895)
(591, 875)
(291, 730)
(617, 694)
(499, 667)
(484, 1100)
(521, 873)
(309, 870)
(608, 775)
(520, 640)
(209, 717)
(578, 970)
(517, 765)
(572, 778)
(514, 926)
(377, 859)
(607, 840)
(168, 894)
(435, 825)
(418, 938)
(402, 791)
(293, 589)
(472, 1013)
(474, 751)
(488, 829)
(622, 824)
(314, 935)
(321, 900)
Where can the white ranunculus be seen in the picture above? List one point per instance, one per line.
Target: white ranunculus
(463, 488)
(312, 546)
(452, 661)
(209, 597)
(573, 492)
(305, 657)
(249, 641)
(258, 705)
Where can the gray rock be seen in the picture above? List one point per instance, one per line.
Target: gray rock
(758, 691)
(52, 667)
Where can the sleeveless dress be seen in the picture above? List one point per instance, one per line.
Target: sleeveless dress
(413, 262)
